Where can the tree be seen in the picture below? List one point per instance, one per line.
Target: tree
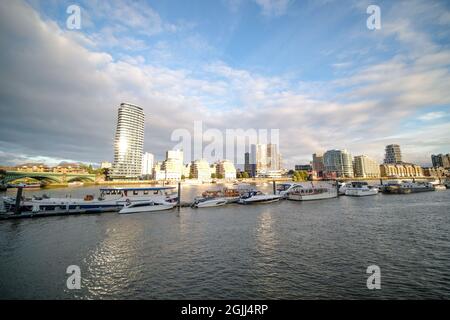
(219, 176)
(213, 175)
(191, 176)
(300, 176)
(183, 177)
(245, 175)
(238, 175)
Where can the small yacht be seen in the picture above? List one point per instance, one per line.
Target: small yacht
(440, 187)
(209, 202)
(258, 197)
(360, 189)
(301, 193)
(146, 206)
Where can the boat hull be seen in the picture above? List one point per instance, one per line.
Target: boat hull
(260, 200)
(210, 203)
(298, 197)
(143, 209)
(361, 192)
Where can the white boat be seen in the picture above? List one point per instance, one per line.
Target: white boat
(283, 189)
(258, 197)
(301, 193)
(146, 206)
(111, 199)
(440, 187)
(210, 202)
(360, 189)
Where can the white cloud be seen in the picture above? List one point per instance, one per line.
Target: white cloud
(273, 7)
(432, 116)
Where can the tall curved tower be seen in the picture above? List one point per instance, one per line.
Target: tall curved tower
(128, 142)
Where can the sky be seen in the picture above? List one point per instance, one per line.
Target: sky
(311, 69)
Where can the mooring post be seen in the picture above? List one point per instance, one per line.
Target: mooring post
(337, 187)
(18, 199)
(179, 196)
(274, 187)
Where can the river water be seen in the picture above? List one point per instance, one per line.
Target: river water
(285, 250)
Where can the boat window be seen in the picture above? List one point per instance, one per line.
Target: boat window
(135, 192)
(145, 191)
(156, 192)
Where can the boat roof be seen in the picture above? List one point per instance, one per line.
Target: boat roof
(136, 188)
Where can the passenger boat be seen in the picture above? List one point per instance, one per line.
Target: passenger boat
(408, 187)
(258, 197)
(360, 189)
(146, 206)
(284, 188)
(301, 193)
(111, 199)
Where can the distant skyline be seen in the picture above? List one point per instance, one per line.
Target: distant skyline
(309, 68)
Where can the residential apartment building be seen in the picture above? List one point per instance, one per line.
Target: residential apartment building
(441, 160)
(128, 142)
(393, 154)
(317, 164)
(405, 170)
(226, 170)
(147, 164)
(339, 162)
(365, 167)
(200, 170)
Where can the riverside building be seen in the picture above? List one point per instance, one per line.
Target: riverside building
(226, 170)
(339, 162)
(365, 167)
(128, 142)
(393, 154)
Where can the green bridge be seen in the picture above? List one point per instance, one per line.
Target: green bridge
(46, 177)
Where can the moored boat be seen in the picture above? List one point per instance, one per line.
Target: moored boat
(209, 202)
(146, 206)
(360, 189)
(111, 199)
(301, 193)
(283, 189)
(406, 187)
(258, 197)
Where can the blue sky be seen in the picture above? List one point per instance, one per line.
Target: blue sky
(309, 68)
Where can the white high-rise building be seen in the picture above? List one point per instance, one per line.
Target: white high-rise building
(340, 162)
(147, 163)
(366, 167)
(128, 142)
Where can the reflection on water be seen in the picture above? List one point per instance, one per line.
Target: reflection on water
(285, 250)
